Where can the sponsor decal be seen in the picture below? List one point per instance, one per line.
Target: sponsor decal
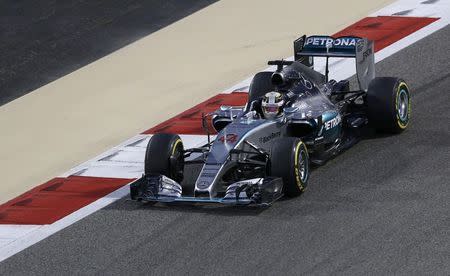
(308, 85)
(203, 185)
(269, 137)
(229, 138)
(333, 122)
(338, 42)
(367, 53)
(360, 45)
(290, 94)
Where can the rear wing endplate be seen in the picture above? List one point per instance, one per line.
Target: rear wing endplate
(361, 49)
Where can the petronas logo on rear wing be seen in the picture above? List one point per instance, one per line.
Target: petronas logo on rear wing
(359, 48)
(320, 45)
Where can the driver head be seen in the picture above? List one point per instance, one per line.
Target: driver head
(272, 105)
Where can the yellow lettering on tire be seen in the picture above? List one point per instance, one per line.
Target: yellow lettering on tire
(178, 141)
(399, 122)
(297, 175)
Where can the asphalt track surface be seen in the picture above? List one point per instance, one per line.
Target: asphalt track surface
(41, 41)
(382, 207)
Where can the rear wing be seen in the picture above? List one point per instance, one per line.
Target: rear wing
(342, 47)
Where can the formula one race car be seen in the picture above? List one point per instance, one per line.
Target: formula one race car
(294, 117)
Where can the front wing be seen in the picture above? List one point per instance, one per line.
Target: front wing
(257, 191)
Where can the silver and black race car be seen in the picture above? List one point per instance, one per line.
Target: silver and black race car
(295, 117)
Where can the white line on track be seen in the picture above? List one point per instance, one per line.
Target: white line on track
(27, 235)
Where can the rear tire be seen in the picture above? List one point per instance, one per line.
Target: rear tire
(388, 104)
(260, 85)
(290, 161)
(164, 156)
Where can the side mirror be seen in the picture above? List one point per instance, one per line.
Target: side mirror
(225, 108)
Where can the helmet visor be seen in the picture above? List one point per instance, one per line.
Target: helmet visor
(271, 108)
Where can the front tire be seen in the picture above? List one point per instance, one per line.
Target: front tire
(290, 161)
(388, 104)
(165, 156)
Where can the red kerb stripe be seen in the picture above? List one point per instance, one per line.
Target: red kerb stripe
(190, 121)
(385, 30)
(56, 199)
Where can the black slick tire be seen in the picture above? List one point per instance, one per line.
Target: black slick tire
(290, 161)
(164, 156)
(388, 104)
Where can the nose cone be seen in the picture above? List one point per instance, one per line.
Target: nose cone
(229, 138)
(221, 147)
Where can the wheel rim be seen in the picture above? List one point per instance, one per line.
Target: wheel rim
(402, 105)
(178, 166)
(302, 166)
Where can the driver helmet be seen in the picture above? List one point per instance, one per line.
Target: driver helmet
(272, 105)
